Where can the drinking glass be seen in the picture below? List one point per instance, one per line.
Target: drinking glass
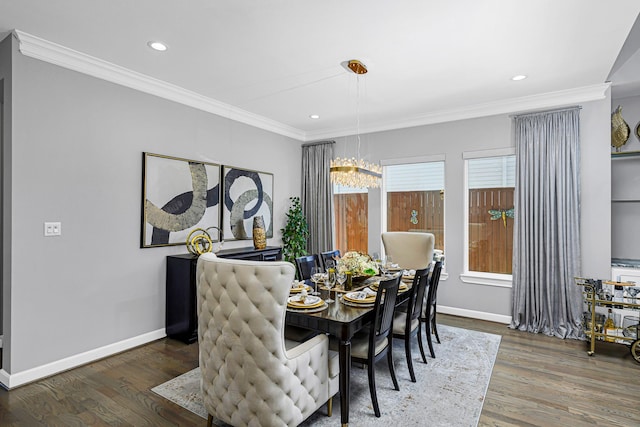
(330, 282)
(316, 276)
(341, 277)
(384, 265)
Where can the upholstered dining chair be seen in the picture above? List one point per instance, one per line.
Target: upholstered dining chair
(406, 324)
(410, 250)
(329, 256)
(251, 375)
(369, 346)
(428, 316)
(305, 264)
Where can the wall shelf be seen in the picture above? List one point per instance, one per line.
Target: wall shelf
(624, 154)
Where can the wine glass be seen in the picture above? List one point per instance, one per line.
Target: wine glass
(341, 277)
(316, 276)
(330, 282)
(384, 265)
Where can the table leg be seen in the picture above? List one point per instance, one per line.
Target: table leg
(345, 374)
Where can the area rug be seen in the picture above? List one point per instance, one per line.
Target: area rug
(449, 391)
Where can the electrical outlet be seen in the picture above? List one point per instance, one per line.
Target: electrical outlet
(52, 229)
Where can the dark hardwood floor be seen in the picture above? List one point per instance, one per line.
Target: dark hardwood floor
(536, 381)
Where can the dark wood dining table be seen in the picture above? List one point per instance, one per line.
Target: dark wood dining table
(341, 321)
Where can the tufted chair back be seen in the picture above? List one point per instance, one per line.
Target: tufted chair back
(250, 375)
(410, 250)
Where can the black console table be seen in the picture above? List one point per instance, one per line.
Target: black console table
(181, 320)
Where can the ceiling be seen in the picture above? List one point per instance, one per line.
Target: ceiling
(282, 60)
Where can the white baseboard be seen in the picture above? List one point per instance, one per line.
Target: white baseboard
(462, 312)
(10, 381)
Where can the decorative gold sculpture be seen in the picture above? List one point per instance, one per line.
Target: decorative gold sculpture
(619, 129)
(199, 241)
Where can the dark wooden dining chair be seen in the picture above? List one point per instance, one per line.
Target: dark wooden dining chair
(428, 316)
(305, 264)
(406, 324)
(326, 257)
(367, 347)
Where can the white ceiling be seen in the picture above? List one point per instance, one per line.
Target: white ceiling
(281, 59)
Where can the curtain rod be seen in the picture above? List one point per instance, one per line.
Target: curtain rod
(557, 110)
(309, 144)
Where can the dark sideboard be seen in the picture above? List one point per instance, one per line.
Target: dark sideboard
(181, 320)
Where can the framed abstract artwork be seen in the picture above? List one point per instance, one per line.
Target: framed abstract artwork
(246, 194)
(178, 196)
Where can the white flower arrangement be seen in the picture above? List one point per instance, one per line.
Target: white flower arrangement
(358, 264)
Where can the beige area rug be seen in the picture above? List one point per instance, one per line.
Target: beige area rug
(450, 389)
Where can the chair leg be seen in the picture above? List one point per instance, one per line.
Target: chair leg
(434, 327)
(372, 388)
(407, 351)
(429, 342)
(330, 407)
(392, 370)
(420, 344)
(209, 420)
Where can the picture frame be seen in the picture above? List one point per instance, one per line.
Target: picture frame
(247, 193)
(170, 212)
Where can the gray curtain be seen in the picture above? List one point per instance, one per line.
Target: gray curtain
(317, 200)
(546, 248)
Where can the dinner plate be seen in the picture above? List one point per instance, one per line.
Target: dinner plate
(359, 297)
(299, 289)
(355, 304)
(403, 287)
(311, 301)
(321, 307)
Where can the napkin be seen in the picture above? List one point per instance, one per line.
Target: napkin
(297, 284)
(363, 294)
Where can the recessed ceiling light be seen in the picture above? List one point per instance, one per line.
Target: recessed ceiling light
(159, 46)
(314, 116)
(518, 77)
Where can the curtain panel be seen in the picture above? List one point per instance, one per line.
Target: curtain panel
(317, 198)
(546, 254)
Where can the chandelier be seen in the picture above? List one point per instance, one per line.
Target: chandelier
(355, 172)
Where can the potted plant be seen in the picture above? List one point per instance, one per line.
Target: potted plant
(295, 232)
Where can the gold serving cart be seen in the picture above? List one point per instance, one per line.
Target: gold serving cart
(598, 293)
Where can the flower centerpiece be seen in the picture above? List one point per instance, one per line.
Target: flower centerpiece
(360, 265)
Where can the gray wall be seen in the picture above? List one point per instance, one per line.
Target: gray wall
(77, 158)
(452, 139)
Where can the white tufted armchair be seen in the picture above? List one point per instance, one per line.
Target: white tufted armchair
(410, 250)
(251, 375)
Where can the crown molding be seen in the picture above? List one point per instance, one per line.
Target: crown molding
(507, 106)
(44, 50)
(56, 54)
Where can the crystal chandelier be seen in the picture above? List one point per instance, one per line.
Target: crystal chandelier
(355, 172)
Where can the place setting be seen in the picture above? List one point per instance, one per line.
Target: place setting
(306, 303)
(364, 298)
(404, 287)
(298, 286)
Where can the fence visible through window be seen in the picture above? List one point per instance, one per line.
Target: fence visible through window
(420, 211)
(491, 230)
(351, 222)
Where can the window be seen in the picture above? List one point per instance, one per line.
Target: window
(490, 207)
(350, 206)
(415, 198)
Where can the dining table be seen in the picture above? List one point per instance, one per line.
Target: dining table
(341, 321)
